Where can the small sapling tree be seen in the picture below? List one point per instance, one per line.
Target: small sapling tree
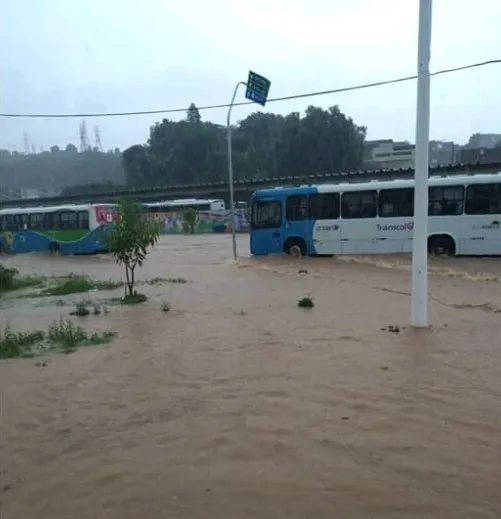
(190, 220)
(129, 240)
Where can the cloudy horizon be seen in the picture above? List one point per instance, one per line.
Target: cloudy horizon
(111, 56)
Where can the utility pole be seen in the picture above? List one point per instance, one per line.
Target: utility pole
(419, 296)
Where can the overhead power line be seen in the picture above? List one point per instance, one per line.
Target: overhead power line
(272, 100)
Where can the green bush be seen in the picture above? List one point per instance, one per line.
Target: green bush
(7, 276)
(18, 344)
(10, 280)
(306, 302)
(62, 337)
(74, 284)
(66, 336)
(190, 220)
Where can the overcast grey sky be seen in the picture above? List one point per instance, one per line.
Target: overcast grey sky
(123, 55)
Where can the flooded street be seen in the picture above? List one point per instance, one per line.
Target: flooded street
(239, 404)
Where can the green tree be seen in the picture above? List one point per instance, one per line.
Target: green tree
(183, 152)
(192, 151)
(190, 220)
(130, 237)
(192, 114)
(137, 167)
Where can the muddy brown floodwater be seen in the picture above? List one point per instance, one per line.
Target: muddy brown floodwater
(238, 404)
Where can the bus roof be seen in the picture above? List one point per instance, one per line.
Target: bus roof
(50, 209)
(184, 201)
(450, 180)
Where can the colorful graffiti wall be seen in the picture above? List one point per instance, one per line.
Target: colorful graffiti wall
(207, 221)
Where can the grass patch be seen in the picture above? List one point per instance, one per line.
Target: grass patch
(18, 344)
(165, 306)
(156, 281)
(62, 337)
(181, 281)
(306, 302)
(160, 280)
(28, 282)
(86, 307)
(11, 280)
(78, 284)
(81, 309)
(133, 299)
(68, 337)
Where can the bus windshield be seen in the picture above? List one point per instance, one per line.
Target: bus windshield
(266, 214)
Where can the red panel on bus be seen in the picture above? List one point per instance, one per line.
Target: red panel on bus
(105, 214)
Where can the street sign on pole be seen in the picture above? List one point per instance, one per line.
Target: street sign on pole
(257, 88)
(419, 295)
(257, 91)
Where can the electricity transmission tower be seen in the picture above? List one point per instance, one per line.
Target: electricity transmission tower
(84, 139)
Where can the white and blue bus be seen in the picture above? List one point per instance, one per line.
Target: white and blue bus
(68, 229)
(376, 217)
(169, 206)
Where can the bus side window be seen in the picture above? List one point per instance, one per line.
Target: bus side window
(396, 202)
(25, 221)
(18, 222)
(297, 208)
(359, 204)
(52, 220)
(324, 206)
(446, 200)
(69, 220)
(483, 199)
(37, 221)
(83, 219)
(8, 222)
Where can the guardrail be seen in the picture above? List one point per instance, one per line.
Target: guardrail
(248, 185)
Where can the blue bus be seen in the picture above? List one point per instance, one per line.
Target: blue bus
(68, 229)
(377, 217)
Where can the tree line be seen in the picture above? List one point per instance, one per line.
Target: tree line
(264, 144)
(51, 171)
(193, 151)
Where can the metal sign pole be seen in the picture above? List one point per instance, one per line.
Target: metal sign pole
(419, 296)
(230, 171)
(257, 91)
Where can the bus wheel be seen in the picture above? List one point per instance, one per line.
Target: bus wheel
(54, 247)
(441, 245)
(295, 247)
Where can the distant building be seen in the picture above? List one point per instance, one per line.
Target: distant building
(485, 155)
(388, 154)
(484, 140)
(444, 153)
(30, 193)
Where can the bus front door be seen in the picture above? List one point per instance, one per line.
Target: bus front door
(266, 235)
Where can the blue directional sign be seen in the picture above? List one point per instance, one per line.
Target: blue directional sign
(257, 88)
